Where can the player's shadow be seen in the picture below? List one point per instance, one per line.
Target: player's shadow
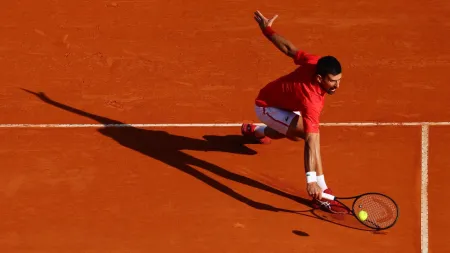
(168, 148)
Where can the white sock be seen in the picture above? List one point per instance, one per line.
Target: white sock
(259, 131)
(321, 182)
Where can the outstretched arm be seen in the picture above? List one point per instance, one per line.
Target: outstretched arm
(99, 119)
(313, 164)
(280, 42)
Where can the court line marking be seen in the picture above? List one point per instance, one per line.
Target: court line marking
(216, 125)
(424, 147)
(424, 191)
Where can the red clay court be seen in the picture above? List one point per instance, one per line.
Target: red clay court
(175, 182)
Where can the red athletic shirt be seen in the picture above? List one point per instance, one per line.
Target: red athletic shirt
(297, 91)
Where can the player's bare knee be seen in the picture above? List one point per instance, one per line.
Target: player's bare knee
(295, 135)
(295, 131)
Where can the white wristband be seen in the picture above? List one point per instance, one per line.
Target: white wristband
(311, 176)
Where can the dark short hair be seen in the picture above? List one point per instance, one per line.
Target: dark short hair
(328, 65)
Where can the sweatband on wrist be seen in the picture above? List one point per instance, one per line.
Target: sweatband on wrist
(311, 176)
(268, 31)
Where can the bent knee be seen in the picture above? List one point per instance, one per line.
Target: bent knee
(296, 131)
(295, 134)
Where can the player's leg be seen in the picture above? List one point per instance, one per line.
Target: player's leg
(269, 129)
(296, 130)
(279, 123)
(264, 130)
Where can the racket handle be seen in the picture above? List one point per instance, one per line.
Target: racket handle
(327, 196)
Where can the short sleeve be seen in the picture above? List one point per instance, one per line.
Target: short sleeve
(302, 58)
(311, 120)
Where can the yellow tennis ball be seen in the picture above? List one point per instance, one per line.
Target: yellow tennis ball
(362, 215)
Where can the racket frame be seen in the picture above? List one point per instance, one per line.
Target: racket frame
(332, 197)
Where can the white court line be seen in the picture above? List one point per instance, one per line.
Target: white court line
(424, 191)
(357, 124)
(424, 125)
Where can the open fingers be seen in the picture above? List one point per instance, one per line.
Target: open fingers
(274, 17)
(258, 19)
(259, 14)
(270, 22)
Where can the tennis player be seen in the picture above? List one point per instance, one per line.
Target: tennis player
(290, 107)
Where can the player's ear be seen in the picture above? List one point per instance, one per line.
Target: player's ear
(319, 78)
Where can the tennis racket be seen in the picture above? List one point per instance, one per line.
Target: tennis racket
(382, 211)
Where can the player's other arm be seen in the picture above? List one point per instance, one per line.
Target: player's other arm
(280, 42)
(313, 164)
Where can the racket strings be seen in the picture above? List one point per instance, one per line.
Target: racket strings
(382, 211)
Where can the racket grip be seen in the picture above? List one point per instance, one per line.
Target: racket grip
(327, 196)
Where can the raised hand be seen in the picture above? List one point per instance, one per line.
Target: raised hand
(263, 21)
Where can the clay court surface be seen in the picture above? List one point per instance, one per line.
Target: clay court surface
(204, 189)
